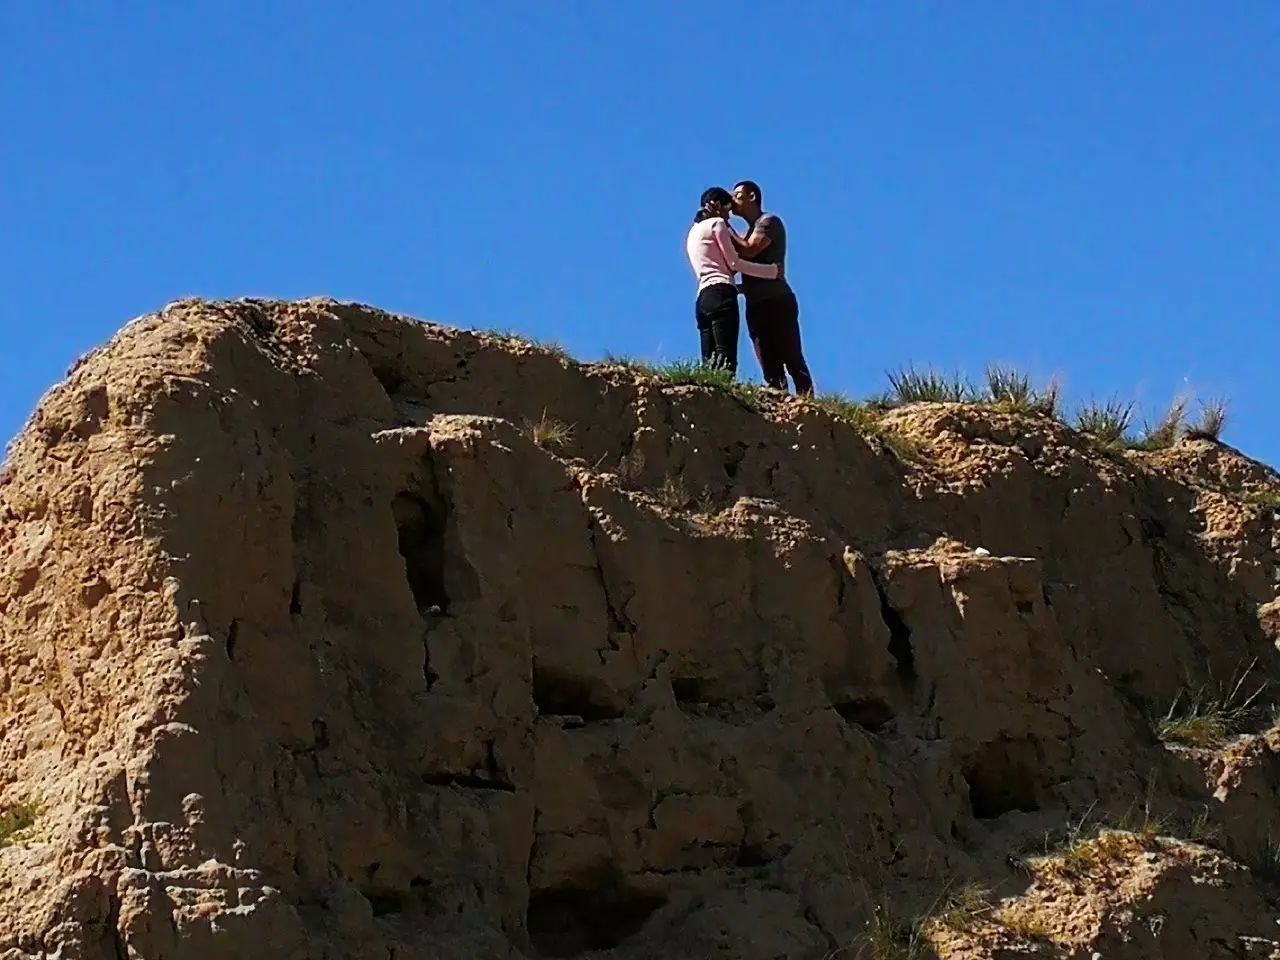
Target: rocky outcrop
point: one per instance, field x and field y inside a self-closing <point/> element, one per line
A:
<point x="310" y="650"/>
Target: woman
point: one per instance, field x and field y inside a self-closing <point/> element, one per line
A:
<point x="715" y="260"/>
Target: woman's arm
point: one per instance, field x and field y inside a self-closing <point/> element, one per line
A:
<point x="723" y="235"/>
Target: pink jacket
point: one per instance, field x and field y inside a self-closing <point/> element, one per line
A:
<point x="715" y="259"/>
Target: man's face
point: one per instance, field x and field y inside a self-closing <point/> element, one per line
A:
<point x="744" y="201"/>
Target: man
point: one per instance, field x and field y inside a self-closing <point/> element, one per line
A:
<point x="773" y="316"/>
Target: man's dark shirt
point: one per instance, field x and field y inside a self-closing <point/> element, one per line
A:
<point x="770" y="224"/>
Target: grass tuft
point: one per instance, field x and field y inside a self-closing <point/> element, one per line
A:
<point x="550" y="433"/>
<point x="1211" y="422"/>
<point x="691" y="373"/>
<point x="1089" y="853"/>
<point x="1009" y="385"/>
<point x="1012" y="389"/>
<point x="1090" y="843"/>
<point x="892" y="937"/>
<point x="1078" y="848"/>
<point x="861" y="416"/>
<point x="16" y="822"/>
<point x="673" y="493"/>
<point x="1049" y="401"/>
<point x="909" y="385"/>
<point x="1201" y="829"/>
<point x="634" y="364"/>
<point x="962" y="906"/>
<point x="1108" y="423"/>
<point x="1210" y="715"/>
<point x="1163" y="433"/>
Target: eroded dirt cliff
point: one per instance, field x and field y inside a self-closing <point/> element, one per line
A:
<point x="310" y="651"/>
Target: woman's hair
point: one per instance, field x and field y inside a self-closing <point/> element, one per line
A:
<point x="709" y="196"/>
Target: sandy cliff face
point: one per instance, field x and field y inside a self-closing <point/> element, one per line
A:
<point x="309" y="650"/>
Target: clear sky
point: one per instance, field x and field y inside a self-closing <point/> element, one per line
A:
<point x="1088" y="189"/>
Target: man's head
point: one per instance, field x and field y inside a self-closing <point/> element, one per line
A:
<point x="747" y="199"/>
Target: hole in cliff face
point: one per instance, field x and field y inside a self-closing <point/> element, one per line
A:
<point x="738" y="702"/>
<point x="1152" y="529"/>
<point x="900" y="645"/>
<point x="753" y="855"/>
<point x="389" y="902"/>
<point x="690" y="691"/>
<point x="870" y="714"/>
<point x="420" y="528"/>
<point x="391" y="378"/>
<point x="1001" y="779"/>
<point x="567" y="923"/>
<point x="233" y="634"/>
<point x="899" y="637"/>
<point x="733" y="456"/>
<point x="562" y="695"/>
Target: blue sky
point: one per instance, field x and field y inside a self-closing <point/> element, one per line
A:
<point x="1085" y="189"/>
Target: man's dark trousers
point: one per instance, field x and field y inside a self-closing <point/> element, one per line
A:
<point x="774" y="327"/>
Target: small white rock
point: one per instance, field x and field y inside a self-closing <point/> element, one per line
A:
<point x="981" y="552"/>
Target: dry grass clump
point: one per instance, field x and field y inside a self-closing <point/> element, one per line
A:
<point x="1013" y="390"/>
<point x="890" y="936"/>
<point x="861" y="416"/>
<point x="1082" y="846"/>
<point x="1212" y="714"/>
<point x="1110" y="424"/>
<point x="634" y="364"/>
<point x="909" y="385"/>
<point x="1163" y="433"/>
<point x="1107" y="422"/>
<point x="1004" y="386"/>
<point x="962" y="905"/>
<point x="550" y="433"/>
<point x="691" y="373"/>
<point x="1092" y="843"/>
<point x="552" y="347"/>
<point x="1090" y="852"/>
<point x="711" y="376"/>
<point x="1211" y="422"/>
<point x="673" y="493"/>
<point x="893" y="935"/>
